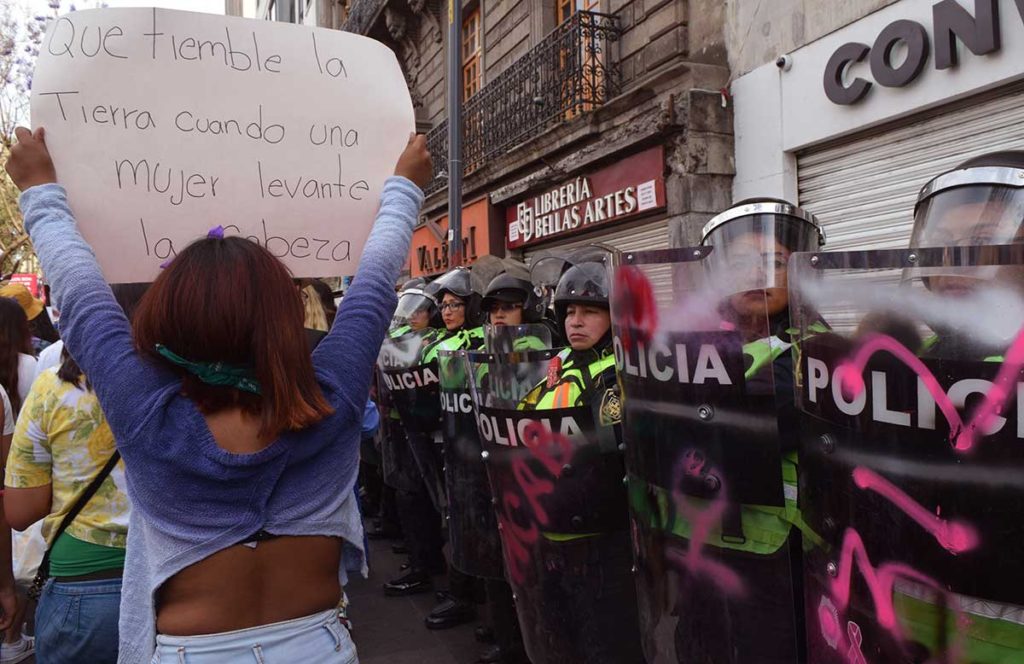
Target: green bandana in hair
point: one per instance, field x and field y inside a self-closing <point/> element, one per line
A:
<point x="214" y="373"/>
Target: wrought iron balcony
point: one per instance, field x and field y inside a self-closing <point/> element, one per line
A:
<point x="571" y="72"/>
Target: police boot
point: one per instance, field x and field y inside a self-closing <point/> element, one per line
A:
<point x="411" y="583"/>
<point x="450" y="613"/>
<point x="495" y="654"/>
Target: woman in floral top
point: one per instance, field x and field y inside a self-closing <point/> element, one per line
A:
<point x="61" y="443"/>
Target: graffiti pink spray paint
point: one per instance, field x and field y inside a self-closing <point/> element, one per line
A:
<point x="956" y="537"/>
<point x="553" y="451"/>
<point x="963" y="436"/>
<point x="702" y="521"/>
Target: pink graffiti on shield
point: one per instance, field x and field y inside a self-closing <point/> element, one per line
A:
<point x="849" y="376"/>
<point x="702" y="521"/>
<point x="954" y="536"/>
<point x="553" y="451"/>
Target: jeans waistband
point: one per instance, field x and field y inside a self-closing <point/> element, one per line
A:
<point x="264" y="633"/>
<point x="94" y="587"/>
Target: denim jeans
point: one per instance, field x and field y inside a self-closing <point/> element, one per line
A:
<point x="318" y="638"/>
<point x="77" y="622"/>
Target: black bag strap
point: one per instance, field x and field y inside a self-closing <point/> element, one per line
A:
<point x="79" y="505"/>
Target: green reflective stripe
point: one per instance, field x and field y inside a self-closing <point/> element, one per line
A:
<point x="573" y="376"/>
<point x="567" y="537"/>
<point x="764" y="352"/>
<point x="979" y="639"/>
<point x="399" y="331"/>
<point x="765" y="528"/>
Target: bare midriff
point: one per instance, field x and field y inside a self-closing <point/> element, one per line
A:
<point x="240" y="587"/>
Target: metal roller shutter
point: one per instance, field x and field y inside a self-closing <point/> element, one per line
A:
<point x="626" y="237"/>
<point x="863" y="189"/>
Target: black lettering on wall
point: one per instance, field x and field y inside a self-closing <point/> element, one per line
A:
<point x="916" y="39"/>
<point x="979" y="33"/>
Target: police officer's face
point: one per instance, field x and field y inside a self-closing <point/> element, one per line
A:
<point x="419" y="319"/>
<point x="965" y="225"/>
<point x="453" y="312"/>
<point x="506" y="313"/>
<point x="585" y="324"/>
<point x="758" y="260"/>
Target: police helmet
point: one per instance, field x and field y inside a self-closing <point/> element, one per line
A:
<point x="742" y="259"/>
<point x="413" y="297"/>
<point x="979" y="202"/>
<point x="460" y="283"/>
<point x="509" y="288"/>
<point x="583" y="283"/>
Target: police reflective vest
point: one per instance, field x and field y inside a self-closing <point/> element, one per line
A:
<point x="574" y="382"/>
<point x="765" y="528"/>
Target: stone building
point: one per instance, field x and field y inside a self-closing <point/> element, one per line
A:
<point x="585" y="120"/>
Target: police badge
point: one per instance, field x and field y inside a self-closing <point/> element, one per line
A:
<point x="611" y="408"/>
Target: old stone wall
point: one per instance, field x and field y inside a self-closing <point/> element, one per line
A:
<point x="759" y="31"/>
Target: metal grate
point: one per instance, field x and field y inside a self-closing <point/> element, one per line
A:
<point x="571" y="72"/>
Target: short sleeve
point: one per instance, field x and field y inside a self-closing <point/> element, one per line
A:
<point x="30" y="461"/>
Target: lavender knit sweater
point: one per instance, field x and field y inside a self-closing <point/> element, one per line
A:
<point x="190" y="498"/>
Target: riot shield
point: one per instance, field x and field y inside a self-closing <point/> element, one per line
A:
<point x="912" y="463"/>
<point x="472" y="529"/>
<point x="557" y="481"/>
<point x="398" y="468"/>
<point x="415" y="390"/>
<point x="701" y="361"/>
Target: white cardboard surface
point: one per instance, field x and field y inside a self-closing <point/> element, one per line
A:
<point x="170" y="123"/>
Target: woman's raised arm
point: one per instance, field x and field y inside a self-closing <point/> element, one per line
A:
<point x="348" y="353"/>
<point x="93" y="326"/>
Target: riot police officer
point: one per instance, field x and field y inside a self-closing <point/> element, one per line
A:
<point x="951" y="603"/>
<point x="458" y="295"/>
<point x="566" y="544"/>
<point x="707" y="381"/>
<point x="416" y="325"/>
<point x="511" y="299"/>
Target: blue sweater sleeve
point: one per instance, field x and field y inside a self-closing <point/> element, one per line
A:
<point x="347" y="354"/>
<point x="93" y="326"/>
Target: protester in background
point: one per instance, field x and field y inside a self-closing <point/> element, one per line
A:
<point x="61" y="444"/>
<point x="41" y="327"/>
<point x="16" y="647"/>
<point x="326" y="300"/>
<point x="213" y="399"/>
<point x="17" y="363"/>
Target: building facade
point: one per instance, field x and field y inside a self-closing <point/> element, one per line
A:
<point x="850" y="108"/>
<point x="584" y="120"/>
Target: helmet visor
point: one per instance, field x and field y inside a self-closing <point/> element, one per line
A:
<point x="751" y="253"/>
<point x="414" y="308"/>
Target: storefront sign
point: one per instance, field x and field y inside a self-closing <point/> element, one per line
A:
<point x="632" y="186"/>
<point x="952" y="25"/>
<point x="29" y="280"/>
<point x="430" y="244"/>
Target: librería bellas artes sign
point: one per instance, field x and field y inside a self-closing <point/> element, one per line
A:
<point x="628" y="188"/>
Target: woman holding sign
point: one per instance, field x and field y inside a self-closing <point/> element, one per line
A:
<point x="228" y="429"/>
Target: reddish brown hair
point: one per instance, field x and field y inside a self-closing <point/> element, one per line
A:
<point x="229" y="300"/>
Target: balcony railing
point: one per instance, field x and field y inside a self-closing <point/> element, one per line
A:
<point x="571" y="72"/>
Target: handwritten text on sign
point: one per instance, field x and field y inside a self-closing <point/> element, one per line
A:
<point x="163" y="124"/>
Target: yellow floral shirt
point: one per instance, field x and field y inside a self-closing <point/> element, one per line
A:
<point x="63" y="439"/>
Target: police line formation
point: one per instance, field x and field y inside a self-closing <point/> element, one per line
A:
<point x="750" y="450"/>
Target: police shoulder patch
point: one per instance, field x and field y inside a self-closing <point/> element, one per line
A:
<point x="611" y="408"/>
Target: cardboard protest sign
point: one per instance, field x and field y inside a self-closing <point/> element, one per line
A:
<point x="164" y="124"/>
